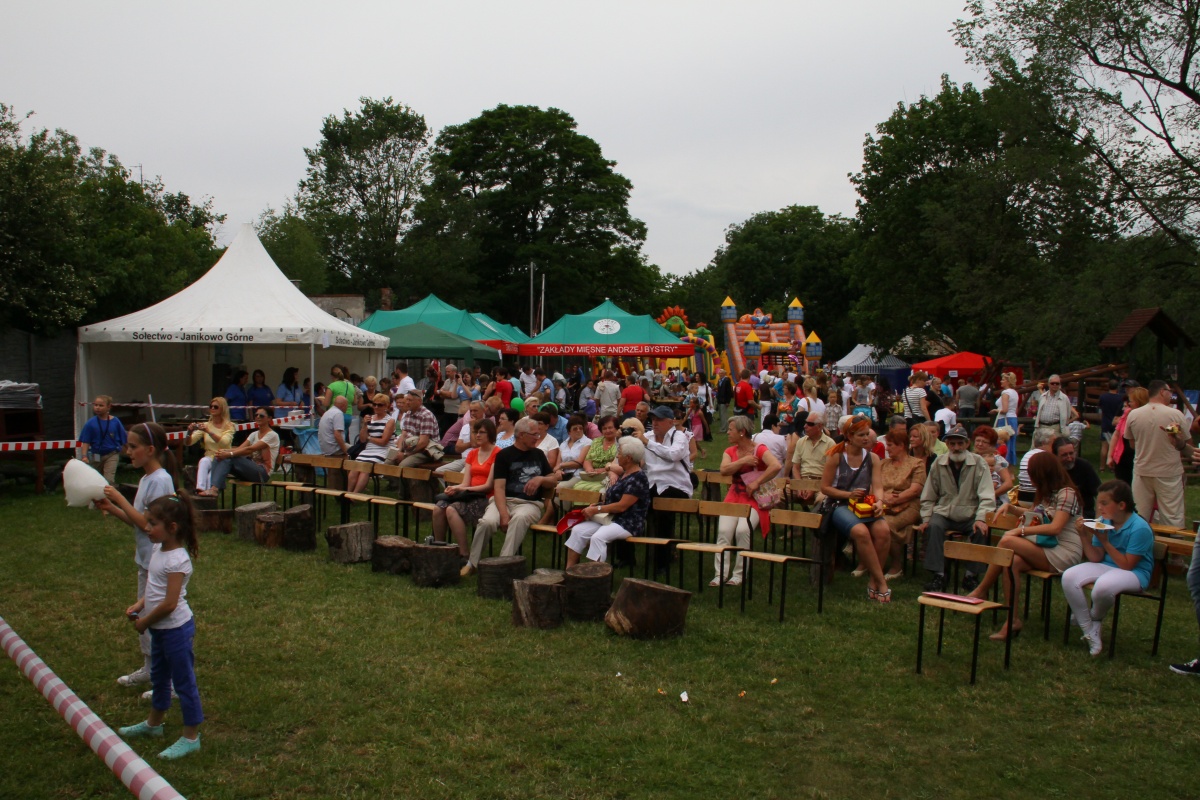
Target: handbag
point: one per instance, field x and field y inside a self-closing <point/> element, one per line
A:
<point x="356" y="449"/>
<point x="1042" y="519"/>
<point x="768" y="495"/>
<point x="828" y="506"/>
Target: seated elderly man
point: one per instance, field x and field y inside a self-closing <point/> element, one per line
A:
<point x="808" y="456"/>
<point x="519" y="474"/>
<point x="958" y="496"/>
<point x="418" y="429"/>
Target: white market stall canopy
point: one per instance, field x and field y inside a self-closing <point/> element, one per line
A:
<point x="243" y="299"/>
<point x="242" y="312"/>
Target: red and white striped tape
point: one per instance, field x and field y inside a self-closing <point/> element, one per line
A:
<point x="138" y="776"/>
<point x="70" y="444"/>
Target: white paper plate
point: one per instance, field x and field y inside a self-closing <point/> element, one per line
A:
<point x="1097" y="525"/>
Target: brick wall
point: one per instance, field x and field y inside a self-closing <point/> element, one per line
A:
<point x="50" y="363"/>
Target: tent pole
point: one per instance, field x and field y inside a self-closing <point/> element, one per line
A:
<point x="312" y="370"/>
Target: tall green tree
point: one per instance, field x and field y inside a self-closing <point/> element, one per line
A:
<point x="979" y="215"/>
<point x="794" y="252"/>
<point x="80" y="240"/>
<point x="364" y="178"/>
<point x="516" y="188"/>
<point x="1126" y="71"/>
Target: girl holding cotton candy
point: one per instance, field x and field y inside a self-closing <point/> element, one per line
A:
<point x="147" y="449"/>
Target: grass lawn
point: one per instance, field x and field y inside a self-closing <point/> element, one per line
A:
<point x="323" y="681"/>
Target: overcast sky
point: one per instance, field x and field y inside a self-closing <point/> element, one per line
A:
<point x="715" y="111"/>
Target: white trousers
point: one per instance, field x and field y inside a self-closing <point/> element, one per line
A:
<point x="599" y="536"/>
<point x="730" y="529"/>
<point x="1107" y="582"/>
<point x="203" y="473"/>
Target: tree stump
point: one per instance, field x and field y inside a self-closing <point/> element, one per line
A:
<point x="305" y="473"/>
<point x="300" y="528"/>
<point x="547" y="571"/>
<point x="247" y="516"/>
<point x="648" y="610"/>
<point x="215" y="519"/>
<point x="392" y="554"/>
<point x="435" y="565"/>
<point x="351" y="543"/>
<point x="538" y="601"/>
<point x="268" y="530"/>
<point x="589" y="590"/>
<point x="496" y="576"/>
<point x="188" y="475"/>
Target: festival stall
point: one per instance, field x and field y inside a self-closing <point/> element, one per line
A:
<point x="425" y="341"/>
<point x="955" y="365"/>
<point x="607" y="330"/>
<point x="242" y="312"/>
<point x="865" y="360"/>
<point x="435" y="312"/>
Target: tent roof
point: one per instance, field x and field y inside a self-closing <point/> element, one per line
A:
<point x="865" y="360"/>
<point x="607" y="330"/>
<point x="964" y="362"/>
<point x="515" y="334"/>
<point x="433" y="311"/>
<point x="425" y="341"/>
<point x="244" y="299"/>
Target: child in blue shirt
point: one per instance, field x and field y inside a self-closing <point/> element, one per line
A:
<point x="103" y="438"/>
<point x="1120" y="559"/>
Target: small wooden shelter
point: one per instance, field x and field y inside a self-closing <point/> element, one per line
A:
<point x="1166" y="333"/>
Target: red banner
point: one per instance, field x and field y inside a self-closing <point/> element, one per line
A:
<point x="508" y="348"/>
<point x="681" y="350"/>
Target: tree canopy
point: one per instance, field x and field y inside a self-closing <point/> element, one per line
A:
<point x="364" y="178"/>
<point x="1124" y="70"/>
<point x="81" y="241"/>
<point x="519" y="186"/>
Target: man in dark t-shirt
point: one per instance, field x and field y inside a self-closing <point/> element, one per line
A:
<point x="1082" y="473"/>
<point x="1112" y="405"/>
<point x="519" y="475"/>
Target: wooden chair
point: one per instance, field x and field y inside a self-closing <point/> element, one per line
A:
<point x="963" y="551"/>
<point x="678" y="505"/>
<point x="794" y="486"/>
<point x="1161" y="552"/>
<point x="788" y="519"/>
<point x="332" y="466"/>
<point x="1008" y="522"/>
<point x="380" y="502"/>
<point x="715" y="486"/>
<point x="714" y="511"/>
<point x="548" y="524"/>
<point x="418" y="475"/>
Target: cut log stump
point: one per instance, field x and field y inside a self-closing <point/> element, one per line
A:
<point x="299" y="528"/>
<point x="209" y="517"/>
<point x="648" y="610"/>
<point x="539" y="601"/>
<point x="392" y="554"/>
<point x="496" y="576"/>
<point x="268" y="529"/>
<point x="589" y="590"/>
<point x="203" y="502"/>
<point x="435" y="565"/>
<point x="246" y="517"/>
<point x="351" y="543"/>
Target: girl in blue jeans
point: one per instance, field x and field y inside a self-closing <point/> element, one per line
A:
<point x="164" y="611"/>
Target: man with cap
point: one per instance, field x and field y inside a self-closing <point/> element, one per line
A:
<point x="957" y="498"/>
<point x="666" y="467"/>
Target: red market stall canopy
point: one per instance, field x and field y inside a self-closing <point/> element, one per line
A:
<point x="607" y="330"/>
<point x="438" y="314"/>
<point x="961" y="364"/>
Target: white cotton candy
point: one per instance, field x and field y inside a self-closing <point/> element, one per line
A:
<point x="82" y="483"/>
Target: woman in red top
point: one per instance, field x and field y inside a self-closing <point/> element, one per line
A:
<point x="464" y="504"/>
<point x="751" y="466"/>
<point x="632" y="395"/>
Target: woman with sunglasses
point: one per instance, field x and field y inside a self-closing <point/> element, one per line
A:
<point x="216" y="434"/>
<point x="378" y="427"/>
<point x="254" y="460"/>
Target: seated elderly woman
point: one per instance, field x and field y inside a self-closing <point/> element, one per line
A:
<point x="462" y="505"/>
<point x="378" y="428"/>
<point x="750" y="465"/>
<point x="903" y="480"/>
<point x="216" y="434"/>
<point x="986" y="439"/>
<point x="853" y="473"/>
<point x="624" y="507"/>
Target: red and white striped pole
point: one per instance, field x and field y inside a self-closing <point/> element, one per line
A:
<point x="138" y="776"/>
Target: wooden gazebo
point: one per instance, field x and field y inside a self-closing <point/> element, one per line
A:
<point x="1166" y="333"/>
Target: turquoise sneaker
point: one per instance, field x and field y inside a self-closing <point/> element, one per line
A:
<point x="141" y="729"/>
<point x="181" y="748"/>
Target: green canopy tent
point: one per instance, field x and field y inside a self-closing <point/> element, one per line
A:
<point x="607" y="330"/>
<point x="425" y="341"/>
<point x="433" y="311"/>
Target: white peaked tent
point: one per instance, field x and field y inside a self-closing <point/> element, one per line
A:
<point x="168" y="350"/>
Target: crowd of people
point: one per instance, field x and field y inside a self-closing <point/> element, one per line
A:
<point x="891" y="469"/>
